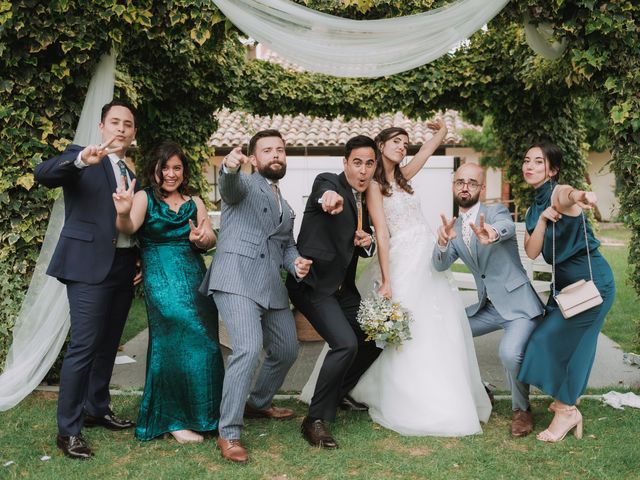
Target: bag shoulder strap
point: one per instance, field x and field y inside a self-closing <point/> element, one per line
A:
<point x="553" y="252"/>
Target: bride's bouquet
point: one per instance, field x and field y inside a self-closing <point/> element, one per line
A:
<point x="384" y="321"/>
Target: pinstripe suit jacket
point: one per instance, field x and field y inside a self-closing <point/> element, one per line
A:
<point x="253" y="244"/>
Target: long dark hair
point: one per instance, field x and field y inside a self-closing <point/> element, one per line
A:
<point x="158" y="158"/>
<point x="379" y="175"/>
<point x="551" y="153"/>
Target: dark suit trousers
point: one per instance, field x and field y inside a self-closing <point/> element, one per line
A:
<point x="98" y="314"/>
<point x="334" y="318"/>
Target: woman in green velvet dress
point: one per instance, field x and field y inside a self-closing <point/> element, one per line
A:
<point x="185" y="370"/>
<point x="561" y="351"/>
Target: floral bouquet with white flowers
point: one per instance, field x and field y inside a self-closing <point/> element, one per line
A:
<point x="384" y="321"/>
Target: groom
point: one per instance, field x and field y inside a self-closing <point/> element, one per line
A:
<point x="255" y="242"/>
<point x="484" y="238"/>
<point x="335" y="231"/>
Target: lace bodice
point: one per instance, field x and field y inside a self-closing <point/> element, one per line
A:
<point x="403" y="213"/>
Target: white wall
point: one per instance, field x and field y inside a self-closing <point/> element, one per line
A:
<point x="432" y="184"/>
<point x="603" y="183"/>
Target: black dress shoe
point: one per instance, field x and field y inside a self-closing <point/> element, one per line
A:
<point x="108" y="420"/>
<point x="317" y="434"/>
<point x="490" y="395"/>
<point x="74" y="446"/>
<point x="349" y="403"/>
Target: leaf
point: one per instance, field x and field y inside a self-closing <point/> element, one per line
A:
<point x="26" y="181"/>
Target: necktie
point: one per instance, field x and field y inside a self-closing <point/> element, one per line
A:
<point x="359" y="207"/>
<point x="123" y="172"/>
<point x="276" y="192"/>
<point x="466" y="230"/>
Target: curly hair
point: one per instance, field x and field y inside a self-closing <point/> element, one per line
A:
<point x="157" y="160"/>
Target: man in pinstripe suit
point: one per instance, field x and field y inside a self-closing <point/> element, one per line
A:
<point x="255" y="243"/>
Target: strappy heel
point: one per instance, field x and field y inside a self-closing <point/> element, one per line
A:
<point x="552" y="405"/>
<point x="548" y="436"/>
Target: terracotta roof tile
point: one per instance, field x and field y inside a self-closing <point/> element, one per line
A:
<point x="236" y="128"/>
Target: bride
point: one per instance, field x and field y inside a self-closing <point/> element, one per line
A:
<point x="431" y="384"/>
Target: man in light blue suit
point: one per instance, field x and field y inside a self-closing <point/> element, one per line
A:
<point x="254" y="244"/>
<point x="484" y="238"/>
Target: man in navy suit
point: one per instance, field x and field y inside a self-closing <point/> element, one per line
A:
<point x="98" y="266"/>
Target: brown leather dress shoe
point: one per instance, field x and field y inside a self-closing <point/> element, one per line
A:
<point x="521" y="423"/>
<point x="275" y="413"/>
<point x="233" y="450"/>
<point x="108" y="420"/>
<point x="317" y="433"/>
<point x="74" y="446"/>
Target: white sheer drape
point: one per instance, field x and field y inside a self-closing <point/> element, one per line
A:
<point x="43" y="321"/>
<point x="358" y="48"/>
<point x="542" y="41"/>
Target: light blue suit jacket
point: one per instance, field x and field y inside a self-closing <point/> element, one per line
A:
<point x="496" y="267"/>
<point x="253" y="244"/>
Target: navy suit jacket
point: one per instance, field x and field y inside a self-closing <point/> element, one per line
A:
<point x="87" y="243"/>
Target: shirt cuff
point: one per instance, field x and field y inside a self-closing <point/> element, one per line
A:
<point x="443" y="249"/>
<point x="79" y="163"/>
<point x="497" y="234"/>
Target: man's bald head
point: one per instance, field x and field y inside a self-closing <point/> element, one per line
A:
<point x="469" y="171"/>
<point x="468" y="182"/>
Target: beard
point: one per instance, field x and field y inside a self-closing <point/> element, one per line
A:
<point x="467" y="202"/>
<point x="271" y="174"/>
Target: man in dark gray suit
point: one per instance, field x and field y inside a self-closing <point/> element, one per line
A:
<point x="254" y="244"/>
<point x="484" y="238"/>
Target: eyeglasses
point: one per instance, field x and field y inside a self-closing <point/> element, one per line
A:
<point x="471" y="184"/>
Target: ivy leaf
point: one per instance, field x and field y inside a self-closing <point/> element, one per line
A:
<point x="26" y="181"/>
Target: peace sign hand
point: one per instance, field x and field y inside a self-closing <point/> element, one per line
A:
<point x="486" y="233"/>
<point x="446" y="231"/>
<point x="198" y="235"/>
<point x="123" y="198"/>
<point x="93" y="154"/>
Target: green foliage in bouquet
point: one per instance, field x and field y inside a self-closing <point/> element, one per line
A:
<point x="384" y="321"/>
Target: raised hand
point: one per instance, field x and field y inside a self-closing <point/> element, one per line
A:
<point x="235" y="158"/>
<point x="486" y="233"/>
<point x="197" y="235"/>
<point x="446" y="231"/>
<point x="302" y="266"/>
<point x="332" y="202"/>
<point x="437" y="125"/>
<point x="123" y="198"/>
<point x="585" y="200"/>
<point x="93" y="154"/>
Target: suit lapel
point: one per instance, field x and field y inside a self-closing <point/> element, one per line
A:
<point x="474" y="242"/>
<point x="266" y="190"/>
<point x="347" y="194"/>
<point x="108" y="171"/>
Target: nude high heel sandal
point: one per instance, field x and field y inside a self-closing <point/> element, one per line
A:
<point x="548" y="436"/>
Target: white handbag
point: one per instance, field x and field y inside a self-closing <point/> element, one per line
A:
<point x="581" y="295"/>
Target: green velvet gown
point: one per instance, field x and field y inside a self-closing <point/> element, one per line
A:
<point x="183" y="386"/>
<point x="561" y="351"/>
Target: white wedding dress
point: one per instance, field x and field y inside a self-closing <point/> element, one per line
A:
<point x="431" y="384"/>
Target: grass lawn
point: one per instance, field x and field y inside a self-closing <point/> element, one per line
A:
<point x="368" y="451"/>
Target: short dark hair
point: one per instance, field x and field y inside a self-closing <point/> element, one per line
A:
<point x="158" y="158"/>
<point x="263" y="134"/>
<point x="116" y="103"/>
<point x="551" y="153"/>
<point x="359" y="141"/>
